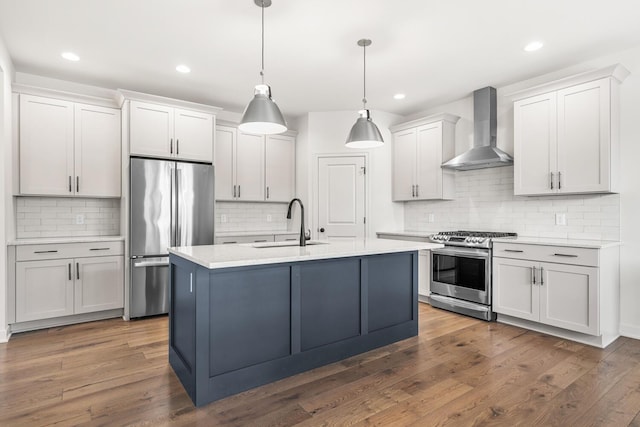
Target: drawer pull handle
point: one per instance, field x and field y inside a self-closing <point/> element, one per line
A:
<point x="78" y="270"/>
<point x="99" y="249"/>
<point x="259" y="241"/>
<point x="69" y="271"/>
<point x="513" y="250"/>
<point x="541" y="276"/>
<point x="290" y="240"/>
<point x="567" y="255"/>
<point x="228" y="243"/>
<point x="45" y="252"/>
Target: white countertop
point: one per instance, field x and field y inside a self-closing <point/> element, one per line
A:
<point x="254" y="233"/>
<point x="224" y="256"/>
<point x="573" y="243"/>
<point x="418" y="234"/>
<point x="55" y="240"/>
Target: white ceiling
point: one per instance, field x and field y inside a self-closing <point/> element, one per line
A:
<point x="434" y="51"/>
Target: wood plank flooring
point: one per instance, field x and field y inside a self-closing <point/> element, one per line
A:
<point x="459" y="371"/>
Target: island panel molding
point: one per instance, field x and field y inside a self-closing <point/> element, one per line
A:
<point x="221" y="344"/>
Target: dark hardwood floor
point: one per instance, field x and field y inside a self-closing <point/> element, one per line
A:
<point x="458" y="372"/>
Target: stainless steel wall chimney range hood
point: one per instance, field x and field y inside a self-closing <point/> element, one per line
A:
<point x="484" y="153"/>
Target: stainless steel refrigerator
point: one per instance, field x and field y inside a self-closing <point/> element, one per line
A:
<point x="171" y="205"/>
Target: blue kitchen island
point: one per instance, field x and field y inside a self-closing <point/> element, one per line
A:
<point x="245" y="315"/>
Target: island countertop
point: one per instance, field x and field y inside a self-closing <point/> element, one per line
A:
<point x="241" y="255"/>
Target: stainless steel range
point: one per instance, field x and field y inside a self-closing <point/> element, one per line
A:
<point x="461" y="272"/>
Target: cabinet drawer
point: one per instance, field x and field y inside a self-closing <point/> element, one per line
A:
<point x="68" y="250"/>
<point x="259" y="238"/>
<point x="543" y="253"/>
<point x="286" y="237"/>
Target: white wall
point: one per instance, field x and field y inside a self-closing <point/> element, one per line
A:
<point x="325" y="133"/>
<point x="623" y="213"/>
<point x="6" y="205"/>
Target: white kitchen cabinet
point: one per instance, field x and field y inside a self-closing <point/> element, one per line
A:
<point x="44" y="289"/>
<point x="98" y="284"/>
<point x="225" y="157"/>
<point x="420" y="148"/>
<point x="157" y="130"/>
<point x="254" y="167"/>
<point x="566" y="139"/>
<point x="56" y="280"/>
<point x="97" y="152"/>
<point x="68" y="149"/>
<point x="250" y="167"/>
<point x="280" y="168"/>
<point x="570" y="289"/>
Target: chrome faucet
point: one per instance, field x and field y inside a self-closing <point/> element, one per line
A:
<point x="303" y="238"/>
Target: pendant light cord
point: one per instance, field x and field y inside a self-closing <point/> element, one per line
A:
<point x="262" y="69"/>
<point x="364" y="78"/>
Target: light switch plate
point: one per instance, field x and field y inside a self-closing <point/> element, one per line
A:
<point x="223" y="218"/>
<point x="268" y="218"/>
<point x="79" y="219"/>
<point x="561" y="219"/>
<point x="431" y="217"/>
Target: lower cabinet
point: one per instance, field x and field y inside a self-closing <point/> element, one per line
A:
<point x="569" y="289"/>
<point x="44" y="289"/>
<point x="559" y="295"/>
<point x="66" y="279"/>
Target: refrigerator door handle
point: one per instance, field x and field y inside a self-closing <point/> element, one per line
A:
<point x="177" y="219"/>
<point x="174" y="206"/>
<point x="151" y="264"/>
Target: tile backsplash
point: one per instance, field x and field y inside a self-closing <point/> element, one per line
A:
<point x="59" y="217"/>
<point x="242" y="217"/>
<point x="484" y="201"/>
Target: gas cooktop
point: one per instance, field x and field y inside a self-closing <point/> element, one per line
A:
<point x="470" y="238"/>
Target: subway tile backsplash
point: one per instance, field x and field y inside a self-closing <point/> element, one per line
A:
<point x="58" y="217"/>
<point x="485" y="201"/>
<point x="243" y="217"/>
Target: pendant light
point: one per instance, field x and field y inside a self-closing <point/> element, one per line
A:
<point x="364" y="133"/>
<point x="262" y="115"/>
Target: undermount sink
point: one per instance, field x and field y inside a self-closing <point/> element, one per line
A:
<point x="288" y="243"/>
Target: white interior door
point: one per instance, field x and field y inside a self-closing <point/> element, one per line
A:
<point x="341" y="198"/>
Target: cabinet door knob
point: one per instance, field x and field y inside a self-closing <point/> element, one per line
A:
<point x="322" y="229"/>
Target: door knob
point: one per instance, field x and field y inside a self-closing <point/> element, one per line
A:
<point x="322" y="229"/>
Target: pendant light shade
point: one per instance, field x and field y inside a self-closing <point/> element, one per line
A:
<point x="262" y="115"/>
<point x="364" y="133"/>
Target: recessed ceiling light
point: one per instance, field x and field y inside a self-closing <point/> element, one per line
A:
<point x="399" y="96"/>
<point x="183" y="69"/>
<point x="70" y="56"/>
<point x="533" y="46"/>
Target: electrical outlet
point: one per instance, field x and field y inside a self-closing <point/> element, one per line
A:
<point x="561" y="219"/>
<point x="431" y="217"/>
<point x="268" y="218"/>
<point x="79" y="219"/>
<point x="223" y="218"/>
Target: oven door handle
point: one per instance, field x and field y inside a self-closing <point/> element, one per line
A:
<point x="470" y="253"/>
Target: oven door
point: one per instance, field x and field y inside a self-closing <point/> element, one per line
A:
<point x="463" y="273"/>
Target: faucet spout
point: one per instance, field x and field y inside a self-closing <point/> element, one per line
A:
<point x="303" y="240"/>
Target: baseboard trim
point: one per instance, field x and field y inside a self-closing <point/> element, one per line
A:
<point x="5" y="334"/>
<point x="65" y="320"/>
<point x="600" y="341"/>
<point x="630" y="331"/>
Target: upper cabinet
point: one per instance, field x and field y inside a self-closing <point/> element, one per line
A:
<point x="162" y="131"/>
<point x="566" y="139"/>
<point x="419" y="149"/>
<point x="254" y="167"/>
<point x="68" y="148"/>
